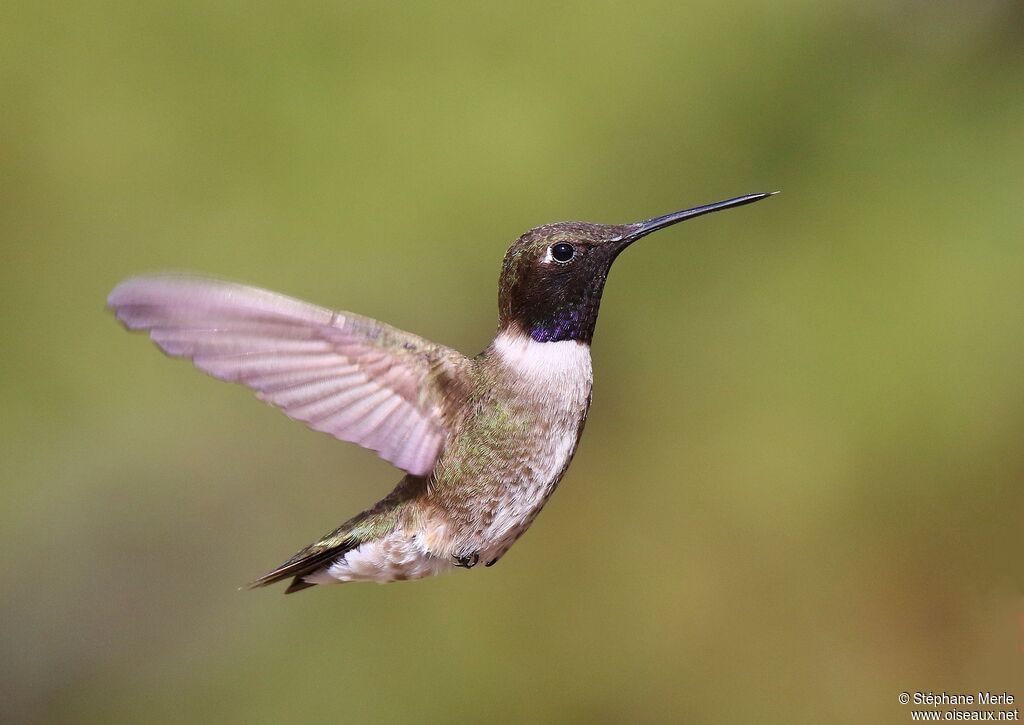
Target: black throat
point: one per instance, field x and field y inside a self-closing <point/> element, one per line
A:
<point x="572" y="320"/>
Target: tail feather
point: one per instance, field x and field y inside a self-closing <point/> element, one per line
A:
<point x="370" y="524"/>
<point x="311" y="559"/>
<point x="297" y="585"/>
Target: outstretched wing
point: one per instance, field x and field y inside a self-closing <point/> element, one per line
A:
<point x="351" y="376"/>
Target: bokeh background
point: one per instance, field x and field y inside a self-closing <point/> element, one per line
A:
<point x="801" y="489"/>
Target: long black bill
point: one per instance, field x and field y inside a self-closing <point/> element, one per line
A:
<point x="667" y="220"/>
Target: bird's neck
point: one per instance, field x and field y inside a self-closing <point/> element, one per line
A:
<point x="545" y="364"/>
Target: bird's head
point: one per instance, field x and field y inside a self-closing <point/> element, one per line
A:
<point x="553" y="276"/>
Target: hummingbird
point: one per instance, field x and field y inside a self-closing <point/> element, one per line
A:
<point x="483" y="441"/>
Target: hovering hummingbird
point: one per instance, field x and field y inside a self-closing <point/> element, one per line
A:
<point x="484" y="441"/>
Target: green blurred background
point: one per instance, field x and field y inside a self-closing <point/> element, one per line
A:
<point x="800" y="492"/>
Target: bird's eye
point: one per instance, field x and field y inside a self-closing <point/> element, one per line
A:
<point x="562" y="252"/>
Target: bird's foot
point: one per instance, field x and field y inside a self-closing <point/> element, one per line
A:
<point x="467" y="562"/>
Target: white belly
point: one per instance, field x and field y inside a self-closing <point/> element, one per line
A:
<point x="395" y="557"/>
<point x="558" y="377"/>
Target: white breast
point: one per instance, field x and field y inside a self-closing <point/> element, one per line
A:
<point x="563" y="368"/>
<point x="559" y="376"/>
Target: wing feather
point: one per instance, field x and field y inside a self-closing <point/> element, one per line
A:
<point x="350" y="376"/>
